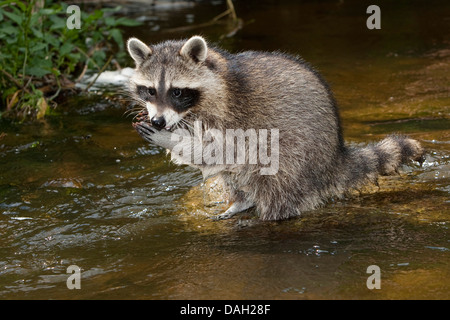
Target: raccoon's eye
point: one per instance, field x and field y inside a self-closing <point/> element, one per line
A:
<point x="145" y="92"/>
<point x="141" y="90"/>
<point x="176" y="92"/>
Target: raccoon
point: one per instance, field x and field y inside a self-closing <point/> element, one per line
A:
<point x="179" y="82"/>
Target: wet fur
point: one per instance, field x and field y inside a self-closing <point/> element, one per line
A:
<point x="262" y="90"/>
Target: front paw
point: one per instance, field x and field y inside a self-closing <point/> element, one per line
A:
<point x="160" y="138"/>
<point x="145" y="130"/>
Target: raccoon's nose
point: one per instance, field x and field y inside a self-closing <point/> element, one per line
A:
<point x="159" y="123"/>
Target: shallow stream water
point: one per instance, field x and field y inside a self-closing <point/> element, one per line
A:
<point x="82" y="188"/>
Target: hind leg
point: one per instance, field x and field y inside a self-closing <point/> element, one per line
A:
<point x="240" y="204"/>
<point x="236" y="207"/>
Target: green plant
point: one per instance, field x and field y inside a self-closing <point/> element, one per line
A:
<point x="40" y="55"/>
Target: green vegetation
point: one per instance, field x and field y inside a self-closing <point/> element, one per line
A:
<point x="40" y="55"/>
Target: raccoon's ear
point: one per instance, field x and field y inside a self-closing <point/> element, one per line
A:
<point x="138" y="50"/>
<point x="195" y="48"/>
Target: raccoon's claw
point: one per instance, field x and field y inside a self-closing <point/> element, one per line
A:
<point x="162" y="138"/>
<point x="223" y="216"/>
<point x="235" y="208"/>
<point x="145" y="130"/>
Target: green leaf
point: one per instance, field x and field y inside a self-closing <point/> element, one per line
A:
<point x="35" y="20"/>
<point x="56" y="72"/>
<point x="22" y="6"/>
<point x="116" y="34"/>
<point x="98" y="59"/>
<point x="52" y="40"/>
<point x="9" y="29"/>
<point x="38" y="47"/>
<point x="42" y="107"/>
<point x="99" y="55"/>
<point x="66" y="48"/>
<point x="40" y="60"/>
<point x="37" y="33"/>
<point x="58" y="23"/>
<point x="14" y="17"/>
<point x="76" y="57"/>
<point x="11" y="41"/>
<point x="9" y="91"/>
<point x="37" y="71"/>
<point x="110" y="21"/>
<point x="92" y="17"/>
<point x="47" y="11"/>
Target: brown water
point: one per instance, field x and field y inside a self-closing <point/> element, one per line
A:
<point x="82" y="188"/>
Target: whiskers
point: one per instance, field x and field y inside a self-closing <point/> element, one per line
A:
<point x="134" y="112"/>
<point x="187" y="122"/>
<point x="185" y="125"/>
<point x="137" y="105"/>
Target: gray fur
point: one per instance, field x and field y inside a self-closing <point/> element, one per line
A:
<point x="263" y="90"/>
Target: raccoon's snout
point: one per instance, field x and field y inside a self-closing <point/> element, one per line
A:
<point x="158" y="122"/>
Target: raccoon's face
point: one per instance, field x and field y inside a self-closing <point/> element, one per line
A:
<point x="169" y="78"/>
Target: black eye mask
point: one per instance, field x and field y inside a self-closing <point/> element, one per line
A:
<point x="183" y="99"/>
